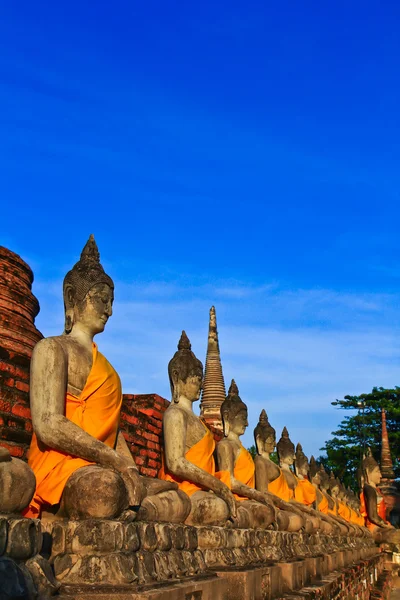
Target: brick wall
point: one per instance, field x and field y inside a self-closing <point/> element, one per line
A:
<point x="141" y="424"/>
<point x="18" y="336"/>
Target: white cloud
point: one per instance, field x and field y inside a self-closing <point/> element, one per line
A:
<point x="291" y="352"/>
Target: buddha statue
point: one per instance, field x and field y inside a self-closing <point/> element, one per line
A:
<point x="82" y="464"/>
<point x="305" y="492"/>
<point x="189" y="445"/>
<point x="286" y="457"/>
<point x="236" y="465"/>
<point x="270" y="479"/>
<point x="373" y="507"/>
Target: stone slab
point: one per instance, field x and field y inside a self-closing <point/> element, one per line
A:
<point x="210" y="588"/>
<point x="259" y="583"/>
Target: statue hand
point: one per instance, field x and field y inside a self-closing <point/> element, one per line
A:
<point x="133" y="482"/>
<point x="225" y="494"/>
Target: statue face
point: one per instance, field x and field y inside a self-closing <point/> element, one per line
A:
<point x="96" y="308"/>
<point x="239" y="423"/>
<point x="288" y="459"/>
<point x="316" y="478"/>
<point x="266" y="445"/>
<point x="375" y="476"/>
<point x="191" y="388"/>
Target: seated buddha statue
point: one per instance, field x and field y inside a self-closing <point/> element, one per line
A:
<point x="373" y="506"/>
<point x="270" y="479"/>
<point x="305" y="492"/>
<point x="286" y="457"/>
<point x="236" y="465"/>
<point x="82" y="464"/>
<point x="341" y="510"/>
<point x="327" y="503"/>
<point x="188" y="453"/>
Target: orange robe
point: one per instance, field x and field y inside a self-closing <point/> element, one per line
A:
<point x="323" y="505"/>
<point x="201" y="455"/>
<point x="244" y="471"/>
<point x="305" y="492"/>
<point x="280" y="487"/>
<point x="381" y="510"/>
<point x="344" y="511"/>
<point x="96" y="410"/>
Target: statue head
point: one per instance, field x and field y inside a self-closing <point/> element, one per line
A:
<point x="334" y="485"/>
<point x="324" y="478"/>
<point x="185" y="372"/>
<point x="314" y="471"/>
<point x="285" y="449"/>
<point x="88" y="292"/>
<point x="370" y="469"/>
<point x="234" y="412"/>
<point x="264" y="435"/>
<point x="301" y="465"/>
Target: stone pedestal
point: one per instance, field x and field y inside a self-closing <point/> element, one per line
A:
<point x="24" y="573"/>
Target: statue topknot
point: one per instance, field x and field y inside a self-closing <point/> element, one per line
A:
<point x="264" y="429"/>
<point x="232" y="405"/>
<point x="185" y="363"/>
<point x="85" y="274"/>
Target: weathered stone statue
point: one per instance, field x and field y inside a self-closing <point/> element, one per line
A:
<point x="189" y="445"/>
<point x="305" y="492"/>
<point x="17" y="484"/>
<point x="82" y="464"/>
<point x="270" y="479"/>
<point x="286" y="457"/>
<point x="373" y="506"/>
<point x="236" y="465"/>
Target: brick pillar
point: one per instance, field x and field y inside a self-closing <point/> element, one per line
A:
<point x="18" y="336"/>
<point x="387" y="485"/>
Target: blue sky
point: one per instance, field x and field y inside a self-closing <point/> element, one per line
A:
<point x="238" y="154"/>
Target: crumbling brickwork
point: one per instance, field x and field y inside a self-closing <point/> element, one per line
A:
<point x="18" y="336"/>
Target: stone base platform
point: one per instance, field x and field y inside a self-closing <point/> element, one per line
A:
<point x="160" y="561"/>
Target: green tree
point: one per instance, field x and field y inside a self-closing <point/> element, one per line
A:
<point x="361" y="430"/>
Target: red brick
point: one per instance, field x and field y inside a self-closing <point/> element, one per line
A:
<point x="152" y="429"/>
<point x="9" y="382"/>
<point x="153" y="446"/>
<point x="151" y="437"/>
<point x="149" y="472"/>
<point x="151" y="412"/>
<point x="152" y="454"/>
<point x="20" y="385"/>
<point x="16" y="451"/>
<point x="129" y="419"/>
<point x="21" y="411"/>
<point x="153" y="463"/>
<point x="139" y="460"/>
<point x="5" y="406"/>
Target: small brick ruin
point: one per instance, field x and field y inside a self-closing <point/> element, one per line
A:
<point x="162" y="561"/>
<point x="18" y="336"/>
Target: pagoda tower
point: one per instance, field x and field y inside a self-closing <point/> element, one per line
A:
<point x="387" y="485"/>
<point x="213" y="393"/>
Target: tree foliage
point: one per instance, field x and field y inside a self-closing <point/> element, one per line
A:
<point x="361" y="430"/>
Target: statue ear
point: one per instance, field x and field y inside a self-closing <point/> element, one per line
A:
<point x="175" y="381"/>
<point x="69" y="298"/>
<point x="259" y="444"/>
<point x="225" y="422"/>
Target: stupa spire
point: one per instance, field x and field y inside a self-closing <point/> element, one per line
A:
<point x="386" y="459"/>
<point x="213" y="394"/>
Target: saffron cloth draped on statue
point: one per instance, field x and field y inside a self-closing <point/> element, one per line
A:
<point x="280" y="487"/>
<point x="201" y="455"/>
<point x="305" y="492"/>
<point x="96" y="410"/>
<point x="244" y="471"/>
